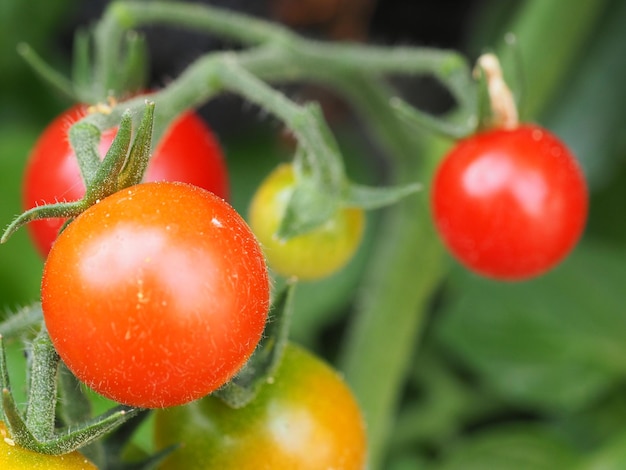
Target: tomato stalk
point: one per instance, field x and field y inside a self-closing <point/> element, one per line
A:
<point x="406" y="266"/>
<point x="281" y="55"/>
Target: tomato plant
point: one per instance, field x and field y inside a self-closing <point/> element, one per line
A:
<point x="13" y="457"/>
<point x="156" y="295"/>
<point x="310" y="256"/>
<point x="188" y="152"/>
<point x="510" y="204"/>
<point x="304" y="418"/>
<point x="156" y="299"/>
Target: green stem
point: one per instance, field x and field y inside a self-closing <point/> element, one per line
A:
<point x="253" y="31"/>
<point x="108" y="49"/>
<point x="283" y="56"/>
<point x="406" y="267"/>
<point x="306" y="122"/>
<point x="224" y="23"/>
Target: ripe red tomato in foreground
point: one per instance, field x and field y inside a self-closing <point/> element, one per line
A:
<point x="510" y="204"/>
<point x="188" y="152"/>
<point x="156" y="295"/>
<point x="305" y="419"/>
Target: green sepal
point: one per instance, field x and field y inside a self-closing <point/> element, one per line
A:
<point x="85" y="139"/>
<point x="105" y="180"/>
<point x="43" y="365"/>
<point x="374" y="197"/>
<point x="133" y="171"/>
<point x="61" y="209"/>
<point x="308" y="207"/>
<point x="260" y="368"/>
<point x="74" y="406"/>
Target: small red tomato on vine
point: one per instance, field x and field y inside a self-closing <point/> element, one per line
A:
<point x="188" y="152"/>
<point x="306" y="418"/>
<point x="310" y="256"/>
<point x="510" y="203"/>
<point x="156" y="295"/>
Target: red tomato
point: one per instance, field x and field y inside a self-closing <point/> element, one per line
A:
<point x="306" y="418"/>
<point x="510" y="204"/>
<point x="188" y="152"/>
<point x="157" y="295"/>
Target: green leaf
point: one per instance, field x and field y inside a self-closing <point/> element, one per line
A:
<point x="611" y="456"/>
<point x="555" y="343"/>
<point x="514" y="447"/>
<point x="591" y="101"/>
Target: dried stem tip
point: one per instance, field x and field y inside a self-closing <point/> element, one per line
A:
<point x="503" y="105"/>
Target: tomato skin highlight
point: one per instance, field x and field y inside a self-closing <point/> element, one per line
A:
<point x="305" y="419"/>
<point x="156" y="295"/>
<point x="13" y="457"/>
<point x="510" y="204"/>
<point x="188" y="152"/>
<point x="311" y="256"/>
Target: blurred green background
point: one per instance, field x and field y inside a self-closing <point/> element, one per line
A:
<point x="509" y="376"/>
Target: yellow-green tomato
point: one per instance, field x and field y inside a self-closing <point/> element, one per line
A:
<point x="13" y="457"/>
<point x="306" y="418"/>
<point x="313" y="255"/>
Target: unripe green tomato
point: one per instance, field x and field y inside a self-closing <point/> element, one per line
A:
<point x="306" y="418"/>
<point x="13" y="457"/>
<point x="310" y="256"/>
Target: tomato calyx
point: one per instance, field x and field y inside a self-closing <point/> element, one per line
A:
<point x="313" y="201"/>
<point x="122" y="166"/>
